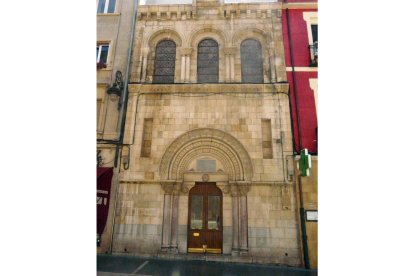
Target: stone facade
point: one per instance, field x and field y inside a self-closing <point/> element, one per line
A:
<point x="221" y="122"/>
<point x="112" y="29"/>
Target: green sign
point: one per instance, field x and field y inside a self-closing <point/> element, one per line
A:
<point x="304" y="163"/>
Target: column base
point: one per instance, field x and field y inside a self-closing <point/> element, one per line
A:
<point x="235" y="252"/>
<point x="173" y="249"/>
<point x="244" y="251"/>
<point x="165" y="249"/>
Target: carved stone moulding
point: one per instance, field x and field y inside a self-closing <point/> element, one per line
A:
<point x="217" y="143"/>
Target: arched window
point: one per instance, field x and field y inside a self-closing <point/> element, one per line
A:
<point x="251" y="61"/>
<point x="208" y="61"/>
<point x="164" y="65"/>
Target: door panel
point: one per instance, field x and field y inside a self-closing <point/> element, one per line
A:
<point x="205" y="226"/>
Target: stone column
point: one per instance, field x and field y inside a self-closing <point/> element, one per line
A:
<point x="235" y="249"/>
<point x="182" y="68"/>
<point x="240" y="224"/>
<point x="227" y="68"/>
<point x="229" y="53"/>
<point x="185" y="64"/>
<point x="243" y="225"/>
<point x="144" y="64"/>
<point x="270" y="50"/>
<point x="232" y="75"/>
<point x="187" y="68"/>
<point x="166" y="223"/>
<point x="174" y="219"/>
<point x="139" y="69"/>
<point x="170" y="216"/>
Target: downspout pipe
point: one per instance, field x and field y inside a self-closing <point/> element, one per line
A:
<point x="122" y="115"/>
<point x="301" y="207"/>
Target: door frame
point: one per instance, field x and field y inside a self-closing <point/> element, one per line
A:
<point x="205" y="231"/>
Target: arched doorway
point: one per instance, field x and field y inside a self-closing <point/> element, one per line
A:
<point x="205" y="219"/>
<point x="209" y="162"/>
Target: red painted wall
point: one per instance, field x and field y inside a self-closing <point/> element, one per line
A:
<point x="300" y="84"/>
<point x="307" y="111"/>
<point x="299" y="33"/>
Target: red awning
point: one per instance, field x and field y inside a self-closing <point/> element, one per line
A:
<point x="103" y="193"/>
<point x="102" y="170"/>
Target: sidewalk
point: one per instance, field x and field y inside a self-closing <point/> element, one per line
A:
<point x="117" y="265"/>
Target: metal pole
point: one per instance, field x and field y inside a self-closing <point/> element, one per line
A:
<point x="122" y="116"/>
<point x="303" y="226"/>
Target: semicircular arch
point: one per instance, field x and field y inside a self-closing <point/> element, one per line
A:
<point x="206" y="33"/>
<point x="219" y="144"/>
<point x="251" y="33"/>
<point x="164" y="34"/>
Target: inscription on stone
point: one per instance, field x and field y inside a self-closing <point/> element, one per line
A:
<point x="205" y="165"/>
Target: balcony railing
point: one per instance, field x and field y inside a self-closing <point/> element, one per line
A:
<point x="314" y="54"/>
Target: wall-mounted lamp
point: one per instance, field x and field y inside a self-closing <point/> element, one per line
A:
<point x="115" y="91"/>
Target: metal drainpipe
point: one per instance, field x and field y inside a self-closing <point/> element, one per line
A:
<point x="301" y="209"/>
<point x="122" y="115"/>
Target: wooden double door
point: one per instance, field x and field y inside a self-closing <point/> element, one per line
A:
<point x="205" y="219"/>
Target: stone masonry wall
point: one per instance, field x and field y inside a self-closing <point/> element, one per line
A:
<point x="238" y="114"/>
<point x="138" y="221"/>
<point x="273" y="228"/>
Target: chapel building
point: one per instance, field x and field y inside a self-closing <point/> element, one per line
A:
<point x="207" y="154"/>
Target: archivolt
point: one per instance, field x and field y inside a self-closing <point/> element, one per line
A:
<point x="206" y="141"/>
<point x="162" y="34"/>
<point x="207" y="32"/>
<point x="254" y="33"/>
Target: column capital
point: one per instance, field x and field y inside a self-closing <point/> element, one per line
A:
<point x="239" y="188"/>
<point x="170" y="187"/>
<point x="167" y="187"/>
<point x="230" y="50"/>
<point x="173" y="187"/>
<point x="244" y="188"/>
<point x="185" y="51"/>
<point x="145" y="51"/>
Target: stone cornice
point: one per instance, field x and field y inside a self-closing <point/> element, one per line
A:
<point x="169" y="182"/>
<point x="303" y="5"/>
<point x="188" y="11"/>
<point x="208" y="88"/>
